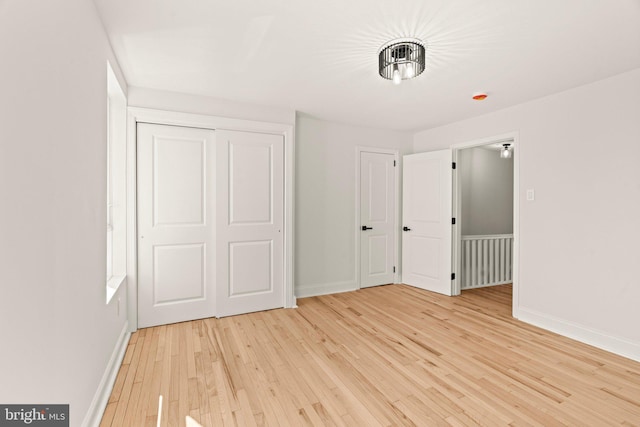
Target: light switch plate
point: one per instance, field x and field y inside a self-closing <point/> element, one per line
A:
<point x="531" y="195"/>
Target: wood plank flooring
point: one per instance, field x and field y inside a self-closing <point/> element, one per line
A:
<point x="383" y="356"/>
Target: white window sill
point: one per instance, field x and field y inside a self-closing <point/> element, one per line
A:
<point x="113" y="284"/>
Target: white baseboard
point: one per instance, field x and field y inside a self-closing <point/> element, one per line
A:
<point x="581" y="333"/>
<point x="101" y="398"/>
<point x="325" y="289"/>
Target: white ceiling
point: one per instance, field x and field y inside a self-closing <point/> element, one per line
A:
<point x="320" y="56"/>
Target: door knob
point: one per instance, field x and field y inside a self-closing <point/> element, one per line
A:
<point x="405" y="228"/>
<point x="364" y="228"/>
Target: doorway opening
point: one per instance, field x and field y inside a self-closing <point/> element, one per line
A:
<point x="485" y="204"/>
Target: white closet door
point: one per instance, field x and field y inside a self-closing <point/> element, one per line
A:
<point x="426" y="210"/>
<point x="176" y="224"/>
<point x="377" y="219"/>
<point x="250" y="221"/>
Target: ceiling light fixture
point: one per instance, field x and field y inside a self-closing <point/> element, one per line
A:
<point x="505" y="151"/>
<point x="401" y="59"/>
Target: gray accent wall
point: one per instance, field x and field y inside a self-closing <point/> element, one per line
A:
<point x="487" y="192"/>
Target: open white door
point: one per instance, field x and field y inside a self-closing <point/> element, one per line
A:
<point x="176" y="228"/>
<point x="426" y="237"/>
<point x="250" y="218"/>
<point x="377" y="218"/>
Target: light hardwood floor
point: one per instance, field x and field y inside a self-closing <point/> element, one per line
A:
<point x="390" y="355"/>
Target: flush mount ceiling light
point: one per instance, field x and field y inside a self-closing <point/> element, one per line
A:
<point x="505" y="151"/>
<point x="401" y="59"/>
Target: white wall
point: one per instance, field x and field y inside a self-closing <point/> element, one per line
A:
<point x="580" y="151"/>
<point x="487" y="192"/>
<point x="57" y="332"/>
<point x="196" y="104"/>
<point x="325" y="201"/>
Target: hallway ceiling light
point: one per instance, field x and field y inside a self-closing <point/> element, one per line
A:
<point x="506" y="151"/>
<point x="401" y="59"/>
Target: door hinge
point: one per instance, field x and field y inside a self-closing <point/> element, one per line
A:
<point x="394" y="268"/>
<point x="453" y="165"/>
<point x="453" y="276"/>
<point x="394" y="163"/>
<point x="453" y="221"/>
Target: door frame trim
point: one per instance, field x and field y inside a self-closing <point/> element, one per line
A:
<point x="457" y="210"/>
<point x="137" y="115"/>
<point x="397" y="277"/>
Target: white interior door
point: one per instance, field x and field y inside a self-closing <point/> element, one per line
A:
<point x="176" y="224"/>
<point x="250" y="218"/>
<point x="426" y="236"/>
<point x="377" y="219"/>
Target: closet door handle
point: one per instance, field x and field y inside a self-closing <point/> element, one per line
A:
<point x="405" y="228"/>
<point x="365" y="228"/>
